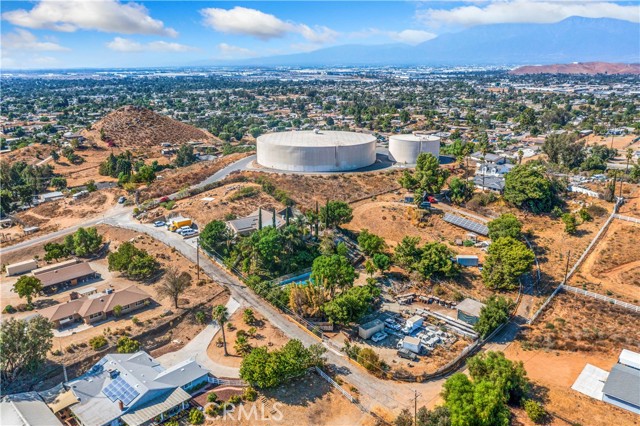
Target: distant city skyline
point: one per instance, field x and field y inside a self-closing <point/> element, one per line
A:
<point x="111" y="33"/>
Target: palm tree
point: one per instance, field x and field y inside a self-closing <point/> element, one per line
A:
<point x="221" y="316"/>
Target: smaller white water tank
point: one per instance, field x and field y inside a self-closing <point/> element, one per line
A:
<point x="404" y="149"/>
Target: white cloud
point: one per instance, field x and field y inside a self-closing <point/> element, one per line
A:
<point x="102" y="15"/>
<point x="527" y="11"/>
<point x="231" y="51"/>
<point x="252" y="22"/>
<point x="120" y="44"/>
<point x="412" y="36"/>
<point x="21" y="39"/>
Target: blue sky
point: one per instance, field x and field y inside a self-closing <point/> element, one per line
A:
<point x="113" y="33"/>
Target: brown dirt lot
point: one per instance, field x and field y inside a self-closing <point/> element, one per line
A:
<point x="574" y="331"/>
<point x="31" y="154"/>
<point x="267" y="335"/>
<point x="203" y="211"/>
<point x="619" y="142"/>
<point x="613" y="267"/>
<point x="305" y="190"/>
<point x="551" y="242"/>
<point x="60" y="214"/>
<point x="308" y="401"/>
<point x="173" y="180"/>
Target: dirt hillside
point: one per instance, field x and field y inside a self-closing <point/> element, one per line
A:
<point x="132" y="126"/>
<point x="591" y="68"/>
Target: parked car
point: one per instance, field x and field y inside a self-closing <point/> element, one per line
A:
<point x="183" y="229"/>
<point x="188" y="233"/>
<point x="379" y="336"/>
<point x="163" y="200"/>
<point x="159" y="223"/>
<point x="432" y="199"/>
<point x="407" y="354"/>
<point x="121" y="200"/>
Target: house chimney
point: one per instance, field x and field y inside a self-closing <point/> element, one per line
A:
<point x="121" y="405"/>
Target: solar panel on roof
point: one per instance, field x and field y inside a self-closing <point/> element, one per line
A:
<point x="119" y="389"/>
<point x="476" y="227"/>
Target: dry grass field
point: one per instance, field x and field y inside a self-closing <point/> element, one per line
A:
<point x="613" y="267"/>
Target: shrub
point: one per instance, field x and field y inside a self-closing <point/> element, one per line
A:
<point x="250" y="394"/>
<point x="235" y="399"/>
<point x="200" y="317"/>
<point x="135" y="320"/>
<point x="127" y="345"/>
<point x="212" y="397"/>
<point x="534" y="410"/>
<point x="8" y="309"/>
<point x="117" y="310"/>
<point x="98" y="342"/>
<point x="196" y="417"/>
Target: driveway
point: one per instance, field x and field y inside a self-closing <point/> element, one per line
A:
<point x="197" y="349"/>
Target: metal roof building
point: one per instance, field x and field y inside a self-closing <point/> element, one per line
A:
<point x="26" y="409"/>
<point x="316" y="151"/>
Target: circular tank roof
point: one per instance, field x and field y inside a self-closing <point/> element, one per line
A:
<point x="415" y="138"/>
<point x="313" y="138"/>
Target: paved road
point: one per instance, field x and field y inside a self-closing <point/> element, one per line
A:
<point x="197" y="349"/>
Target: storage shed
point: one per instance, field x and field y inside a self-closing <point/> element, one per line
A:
<point x="21" y="267"/>
<point x="370" y="328"/>
<point x="469" y="311"/>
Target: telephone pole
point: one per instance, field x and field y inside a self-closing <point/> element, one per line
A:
<point x="198" y="257"/>
<point x="415" y="407"/>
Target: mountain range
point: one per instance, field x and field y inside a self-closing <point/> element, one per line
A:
<point x="574" y="39"/>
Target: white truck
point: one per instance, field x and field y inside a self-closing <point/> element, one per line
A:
<point x="412" y="324"/>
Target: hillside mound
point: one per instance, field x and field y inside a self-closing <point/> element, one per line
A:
<point x="132" y="126"/>
<point x="590" y="68"/>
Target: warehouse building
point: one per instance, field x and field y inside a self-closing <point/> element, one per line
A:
<point x="370" y="328"/>
<point x="316" y="151"/>
<point x="469" y="311"/>
<point x="404" y="149"/>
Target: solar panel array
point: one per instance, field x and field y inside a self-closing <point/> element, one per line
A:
<point x="120" y="389"/>
<point x="472" y="226"/>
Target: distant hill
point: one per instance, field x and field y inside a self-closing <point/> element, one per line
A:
<point x="135" y="127"/>
<point x="571" y="40"/>
<point x="579" y="68"/>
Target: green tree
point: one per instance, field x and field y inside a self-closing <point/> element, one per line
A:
<point x="185" y="156"/>
<point x="438" y="417"/>
<point x="351" y="305"/>
<point x="55" y="251"/>
<point x="528" y="188"/>
<point x="428" y="176"/>
<point x="405" y="418"/>
<point x="216" y="236"/>
<point x="59" y="183"/>
<point x="570" y="223"/>
<point x="436" y="260"/>
<point x="174" y="284"/>
<point x="146" y="174"/>
<point x="564" y="149"/>
<point x="461" y="190"/>
<point x="86" y="241"/>
<point x="117" y="310"/>
<point x="333" y="272"/>
<point x="27" y="286"/>
<point x="507" y="225"/>
<point x="220" y="314"/>
<point x="474" y="403"/>
<point x="493" y="314"/>
<point x="508" y="376"/>
<point x="407" y="254"/>
<point x="127" y="345"/>
<point x="91" y="186"/>
<point x="24" y="345"/>
<point x="133" y="262"/>
<point x="382" y="262"/>
<point x="508" y="259"/>
<point x="336" y="213"/>
<point x="370" y="243"/>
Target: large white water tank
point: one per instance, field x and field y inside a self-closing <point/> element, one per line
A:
<point x="316" y="151"/>
<point x="405" y="149"/>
